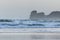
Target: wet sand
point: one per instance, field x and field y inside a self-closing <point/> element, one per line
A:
<point x="29" y="36"/>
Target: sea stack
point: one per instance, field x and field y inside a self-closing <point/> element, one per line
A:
<point x="55" y="15"/>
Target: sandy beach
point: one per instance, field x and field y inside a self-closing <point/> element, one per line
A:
<point x="29" y="36"/>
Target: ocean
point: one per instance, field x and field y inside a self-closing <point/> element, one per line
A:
<point x="30" y="30"/>
<point x="30" y="26"/>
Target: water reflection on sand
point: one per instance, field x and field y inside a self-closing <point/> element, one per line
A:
<point x="29" y="36"/>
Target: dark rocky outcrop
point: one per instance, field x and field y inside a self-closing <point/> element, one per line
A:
<point x="35" y="16"/>
<point x="5" y="20"/>
<point x="54" y="15"/>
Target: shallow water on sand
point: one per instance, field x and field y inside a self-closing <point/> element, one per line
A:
<point x="29" y="36"/>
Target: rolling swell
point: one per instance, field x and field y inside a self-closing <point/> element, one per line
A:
<point x="29" y="24"/>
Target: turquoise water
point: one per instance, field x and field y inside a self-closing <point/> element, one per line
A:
<point x="31" y="24"/>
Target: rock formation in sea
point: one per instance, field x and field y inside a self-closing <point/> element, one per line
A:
<point x="55" y="15"/>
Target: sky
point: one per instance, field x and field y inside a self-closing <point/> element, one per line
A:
<point x="21" y="9"/>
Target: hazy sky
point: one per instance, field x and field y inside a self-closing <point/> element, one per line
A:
<point x="20" y="9"/>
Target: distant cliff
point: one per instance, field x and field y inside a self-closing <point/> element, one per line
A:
<point x="55" y="15"/>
